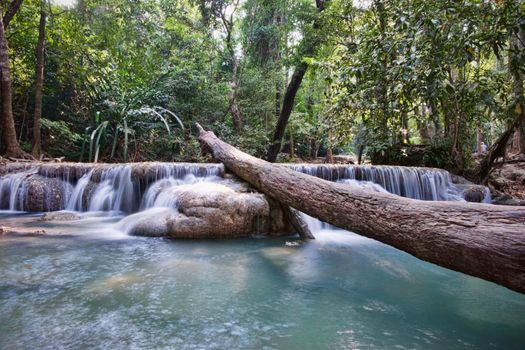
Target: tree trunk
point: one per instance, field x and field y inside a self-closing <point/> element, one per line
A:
<point x="360" y="151"/>
<point x="479" y="138"/>
<point x="12" y="148"/>
<point x="521" y="139"/>
<point x="11" y="11"/>
<point x="499" y="147"/>
<point x="233" y="107"/>
<point x="299" y="224"/>
<point x="286" y="111"/>
<point x="36" y="150"/>
<point x="478" y="239"/>
<point x="292" y="149"/>
<point x="517" y="109"/>
<point x="517" y="46"/>
<point x="329" y="155"/>
<point x="289" y="96"/>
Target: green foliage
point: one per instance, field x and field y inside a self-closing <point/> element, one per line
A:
<point x="403" y="65"/>
<point x="57" y="134"/>
<point x="438" y="155"/>
<point x="127" y="80"/>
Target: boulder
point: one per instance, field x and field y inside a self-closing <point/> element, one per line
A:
<point x="475" y="193"/>
<point x="508" y="184"/>
<point x="209" y="210"/>
<point x="40" y="193"/>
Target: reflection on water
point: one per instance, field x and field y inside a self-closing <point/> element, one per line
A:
<point x="101" y="289"/>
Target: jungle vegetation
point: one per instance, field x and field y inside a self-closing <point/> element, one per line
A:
<point x="410" y="82"/>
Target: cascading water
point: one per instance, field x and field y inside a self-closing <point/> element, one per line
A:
<point x="121" y="188"/>
<point x="417" y="183"/>
<point x="133" y="187"/>
<point x="75" y="201"/>
<point x="10" y="189"/>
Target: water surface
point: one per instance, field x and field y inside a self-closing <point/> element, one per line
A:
<point x="97" y="288"/>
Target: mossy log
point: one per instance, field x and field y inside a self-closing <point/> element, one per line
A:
<point x="481" y="240"/>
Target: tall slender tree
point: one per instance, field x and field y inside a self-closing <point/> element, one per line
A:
<point x="517" y="44"/>
<point x="233" y="107"/>
<point x="291" y="91"/>
<point x="39" y="86"/>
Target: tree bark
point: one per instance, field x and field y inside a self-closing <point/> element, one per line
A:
<point x="12" y="148"/>
<point x="39" y="86"/>
<point x="289" y="96"/>
<point x="11" y="11"/>
<point x="233" y="107"/>
<point x="517" y="46"/>
<point x="296" y="219"/>
<point x="479" y="138"/>
<point x="286" y="111"/>
<point x="478" y="239"/>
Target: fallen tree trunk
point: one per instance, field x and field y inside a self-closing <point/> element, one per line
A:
<point x="477" y="239"/>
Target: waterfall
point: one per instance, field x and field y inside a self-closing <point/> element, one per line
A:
<point x="122" y="188"/>
<point x="11" y="191"/>
<point x="411" y="182"/>
<point x="75" y="202"/>
<point x="129" y="188"/>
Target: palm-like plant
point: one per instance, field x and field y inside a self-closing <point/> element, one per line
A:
<point x="123" y="112"/>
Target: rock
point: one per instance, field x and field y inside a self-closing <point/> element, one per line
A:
<point x="344" y="159"/>
<point x="61" y="216"/>
<point x="509" y="180"/>
<point x="23" y="231"/>
<point x="44" y="194"/>
<point x="506" y="199"/>
<point x="459" y="180"/>
<point x="151" y="223"/>
<point x="209" y="210"/>
<point x="475" y="194"/>
<point x="5" y="230"/>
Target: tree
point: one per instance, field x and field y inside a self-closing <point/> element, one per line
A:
<point x="12" y="148"/>
<point x="484" y="241"/>
<point x="517" y="54"/>
<point x="233" y="107"/>
<point x="291" y="90"/>
<point x="39" y="86"/>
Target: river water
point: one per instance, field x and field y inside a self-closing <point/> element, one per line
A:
<point x="96" y="288"/>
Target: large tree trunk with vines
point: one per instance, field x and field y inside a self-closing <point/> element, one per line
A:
<point x="478" y="239"/>
<point x="11" y="146"/>
<point x="39" y="86"/>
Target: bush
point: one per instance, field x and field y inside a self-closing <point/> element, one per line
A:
<point x="59" y="140"/>
<point x="435" y="155"/>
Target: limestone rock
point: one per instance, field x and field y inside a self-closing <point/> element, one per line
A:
<point x="209" y="210"/>
<point x="61" y="216"/>
<point x="44" y="194"/>
<point x="475" y="193"/>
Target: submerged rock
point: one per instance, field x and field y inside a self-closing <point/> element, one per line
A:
<point x="23" y="231"/>
<point x="61" y="216"/>
<point x="475" y="193"/>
